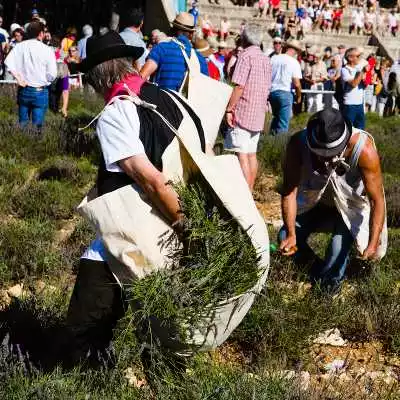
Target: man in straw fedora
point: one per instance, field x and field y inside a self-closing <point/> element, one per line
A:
<point x="332" y="183"/>
<point x="286" y="72"/>
<point x="166" y="61"/>
<point x="133" y="140"/>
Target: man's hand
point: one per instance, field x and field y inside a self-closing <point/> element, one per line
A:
<point x="288" y="246"/>
<point x="229" y="118"/>
<point x="369" y="253"/>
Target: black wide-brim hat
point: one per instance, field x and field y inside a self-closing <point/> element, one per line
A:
<point x="107" y="47"/>
<point x="328" y="133"/>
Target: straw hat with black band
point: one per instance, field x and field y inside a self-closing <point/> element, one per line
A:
<point x="184" y="22"/>
<point x="107" y="47"/>
<point x="328" y="133"/>
<point x="203" y="47"/>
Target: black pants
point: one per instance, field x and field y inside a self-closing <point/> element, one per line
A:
<point x="96" y="306"/>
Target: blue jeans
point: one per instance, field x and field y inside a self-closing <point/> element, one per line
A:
<point x="281" y="104"/>
<point x="33" y="103"/>
<point x="355" y="114"/>
<point x="331" y="271"/>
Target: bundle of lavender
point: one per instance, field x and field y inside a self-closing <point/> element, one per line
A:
<point x="211" y="261"/>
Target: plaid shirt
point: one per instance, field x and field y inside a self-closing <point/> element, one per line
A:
<point x="253" y="72"/>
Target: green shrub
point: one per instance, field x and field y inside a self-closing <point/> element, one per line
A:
<point x="271" y="152"/>
<point x="26" y="249"/>
<point x="47" y="199"/>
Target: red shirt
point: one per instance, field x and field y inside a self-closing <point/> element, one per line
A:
<point x="213" y="71"/>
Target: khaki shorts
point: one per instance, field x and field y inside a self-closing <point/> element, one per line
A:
<point x="240" y="140"/>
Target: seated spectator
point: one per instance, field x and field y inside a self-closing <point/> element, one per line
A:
<point x="357" y="21"/>
<point x="370" y="21"/>
<point x="224" y="28"/>
<point x="337" y="18"/>
<point x="305" y="26"/>
<point x="207" y="27"/>
<point x="327" y="18"/>
<point x="393" y="23"/>
<point x="326" y="58"/>
<point x="381" y="23"/>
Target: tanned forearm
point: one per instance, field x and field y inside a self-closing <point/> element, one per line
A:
<point x="377" y="220"/>
<point x="235" y="96"/>
<point x="289" y="212"/>
<point x="165" y="199"/>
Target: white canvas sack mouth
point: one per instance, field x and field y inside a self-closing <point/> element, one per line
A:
<point x="132" y="228"/>
<point x="208" y="97"/>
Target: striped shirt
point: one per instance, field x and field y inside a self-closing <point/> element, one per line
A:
<point x="171" y="65"/>
<point x="253" y="72"/>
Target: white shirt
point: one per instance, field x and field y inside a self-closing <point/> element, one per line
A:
<point x="352" y="96"/>
<point x="34" y="62"/>
<point x="327" y="14"/>
<point x="118" y="130"/>
<point x="284" y="69"/>
<point x="392" y="20"/>
<point x="357" y="18"/>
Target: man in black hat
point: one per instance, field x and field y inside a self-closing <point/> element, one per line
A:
<point x="133" y="140"/>
<point x="332" y="183"/>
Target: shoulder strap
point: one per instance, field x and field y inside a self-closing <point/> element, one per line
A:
<point x="358" y="148"/>
<point x="182" y="47"/>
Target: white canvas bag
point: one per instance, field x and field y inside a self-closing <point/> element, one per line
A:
<point x="132" y="229"/>
<point x="208" y="97"/>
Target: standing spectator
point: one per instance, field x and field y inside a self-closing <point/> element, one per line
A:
<point x="393" y="90"/>
<point x="357" y="21"/>
<point x="224" y="28"/>
<point x="277" y="45"/>
<point x="17" y="37"/>
<point x="381" y="89"/>
<point x="246" y="109"/>
<point x="69" y="39"/>
<point x="393" y="23"/>
<point x="333" y="73"/>
<point x="87" y="31"/>
<point x="369" y="82"/>
<point x="286" y="71"/>
<point x="132" y="21"/>
<point x="327" y="56"/>
<point x="4" y="31"/>
<point x="342" y="52"/>
<point x="166" y="60"/>
<point x="33" y="65"/>
<point x="204" y="48"/>
<point x="233" y="58"/>
<point x="315" y="74"/>
<point x="195" y="11"/>
<point x="352" y="78"/>
<point x="218" y="59"/>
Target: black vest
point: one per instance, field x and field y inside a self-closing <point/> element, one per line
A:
<point x="154" y="134"/>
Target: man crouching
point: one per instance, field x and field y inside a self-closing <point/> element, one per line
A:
<point x="133" y="140"/>
<point x="332" y="183"/>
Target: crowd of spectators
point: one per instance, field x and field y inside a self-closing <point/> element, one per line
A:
<point x="340" y="77"/>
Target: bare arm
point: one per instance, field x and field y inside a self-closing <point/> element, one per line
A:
<point x="148" y="69"/>
<point x="370" y="167"/>
<point x="154" y="184"/>
<point x="291" y="181"/>
<point x="357" y="79"/>
<point x="297" y="87"/>
<point x="235" y="96"/>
